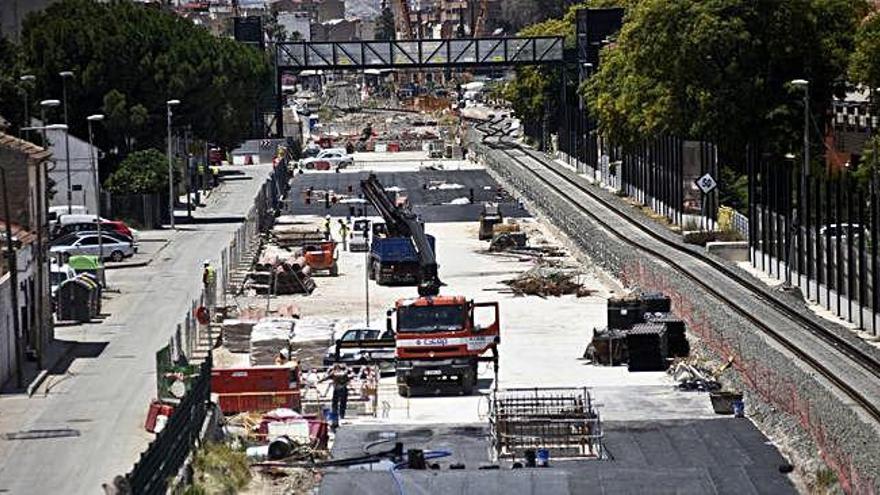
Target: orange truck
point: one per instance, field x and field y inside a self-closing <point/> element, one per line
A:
<point x="440" y="340"/>
<point x="322" y="257"/>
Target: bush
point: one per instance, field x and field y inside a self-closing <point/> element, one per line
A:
<point x="219" y="469"/>
<point x="142" y="172"/>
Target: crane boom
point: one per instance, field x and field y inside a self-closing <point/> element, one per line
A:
<point x="402" y="222"/>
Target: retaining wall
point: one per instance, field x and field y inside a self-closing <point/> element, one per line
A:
<point x="808" y="417"/>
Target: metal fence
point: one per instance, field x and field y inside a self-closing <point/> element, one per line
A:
<point x="166" y="453"/>
<point x="658" y="174"/>
<point x="823" y="240"/>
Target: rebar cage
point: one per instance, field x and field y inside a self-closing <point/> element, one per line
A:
<point x="564" y="421"/>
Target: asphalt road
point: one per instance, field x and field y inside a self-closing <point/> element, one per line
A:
<point x="431" y="192"/>
<point x="99" y="402"/>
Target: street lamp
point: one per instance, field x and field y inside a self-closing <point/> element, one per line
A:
<point x="44" y="104"/>
<point x="65" y="75"/>
<point x="93" y="161"/>
<point x="27" y="79"/>
<point x="168" y="105"/>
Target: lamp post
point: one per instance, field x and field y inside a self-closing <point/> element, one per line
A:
<point x="26" y="79"/>
<point x="168" y="105"/>
<point x="805" y="167"/>
<point x="93" y="161"/>
<point x="65" y="75"/>
<point x="44" y="104"/>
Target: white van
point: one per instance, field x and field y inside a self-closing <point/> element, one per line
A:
<point x="56" y="211"/>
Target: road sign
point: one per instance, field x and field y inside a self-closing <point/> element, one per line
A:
<point x="706" y="184"/>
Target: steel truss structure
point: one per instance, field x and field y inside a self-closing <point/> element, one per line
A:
<point x="423" y="53"/>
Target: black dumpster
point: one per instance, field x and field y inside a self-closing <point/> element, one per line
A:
<point x="75" y="300"/>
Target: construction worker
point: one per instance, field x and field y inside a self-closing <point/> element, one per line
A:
<point x="343" y="231"/>
<point x="340" y="375"/>
<point x="209" y="283"/>
<point x="327" y="234"/>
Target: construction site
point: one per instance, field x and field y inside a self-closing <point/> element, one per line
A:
<point x="530" y="357"/>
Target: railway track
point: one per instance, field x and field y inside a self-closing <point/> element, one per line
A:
<point x="682" y="259"/>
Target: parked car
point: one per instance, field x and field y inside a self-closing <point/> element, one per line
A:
<point x="113" y="248"/>
<point x="359" y="355"/>
<point x="329" y="158"/>
<point x="844" y="231"/>
<point x="68" y="239"/>
<point x="56" y="211"/>
<point x="75" y="223"/>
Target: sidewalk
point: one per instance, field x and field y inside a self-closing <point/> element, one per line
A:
<point x="88" y="414"/>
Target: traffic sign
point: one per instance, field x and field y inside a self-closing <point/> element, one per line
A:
<point x="706" y="184"/>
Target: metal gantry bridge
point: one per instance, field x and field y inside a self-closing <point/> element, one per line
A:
<point x="419" y="54"/>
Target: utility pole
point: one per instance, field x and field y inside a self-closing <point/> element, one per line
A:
<point x="12" y="266"/>
<point x="64" y="76"/>
<point x="168" y="105"/>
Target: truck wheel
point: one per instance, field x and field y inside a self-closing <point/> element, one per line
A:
<point x="334" y="270"/>
<point x="404" y="391"/>
<point x="372" y="272"/>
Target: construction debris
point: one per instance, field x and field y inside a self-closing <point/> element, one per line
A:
<point x="545" y="281"/>
<point x="508" y="241"/>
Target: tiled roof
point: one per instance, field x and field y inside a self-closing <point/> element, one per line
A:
<point x="34" y="152"/>
<point x="24" y="235"/>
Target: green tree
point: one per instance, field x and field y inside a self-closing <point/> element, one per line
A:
<point x="534" y="93"/>
<point x="142" y="172"/>
<point x="385" y="29"/>
<point x="128" y="59"/>
<point x="719" y="69"/>
<point x="11" y="88"/>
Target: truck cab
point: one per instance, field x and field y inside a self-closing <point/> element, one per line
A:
<point x="439" y="341"/>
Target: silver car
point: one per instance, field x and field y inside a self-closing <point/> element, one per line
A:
<point x="113" y="248"/>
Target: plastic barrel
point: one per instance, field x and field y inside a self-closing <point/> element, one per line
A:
<point x="542" y="458"/>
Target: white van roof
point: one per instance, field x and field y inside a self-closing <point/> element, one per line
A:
<point x="62" y="209"/>
<point x="77" y="218"/>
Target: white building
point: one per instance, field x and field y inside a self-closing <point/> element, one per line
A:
<point x="296" y="22"/>
<point x="81" y="175"/>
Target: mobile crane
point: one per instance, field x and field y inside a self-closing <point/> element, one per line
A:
<point x="438" y="342"/>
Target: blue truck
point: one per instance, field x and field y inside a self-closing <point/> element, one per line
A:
<point x="395" y="261"/>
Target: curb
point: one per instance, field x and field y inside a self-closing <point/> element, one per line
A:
<point x="41" y="377"/>
<point x="131" y="264"/>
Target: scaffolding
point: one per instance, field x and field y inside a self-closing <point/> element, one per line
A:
<point x="564" y="421"/>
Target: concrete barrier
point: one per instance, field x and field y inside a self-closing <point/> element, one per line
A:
<point x="730" y="250"/>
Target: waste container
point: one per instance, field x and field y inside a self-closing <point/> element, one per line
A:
<point x="88" y="264"/>
<point x="74" y="300"/>
<point x="95" y="296"/>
